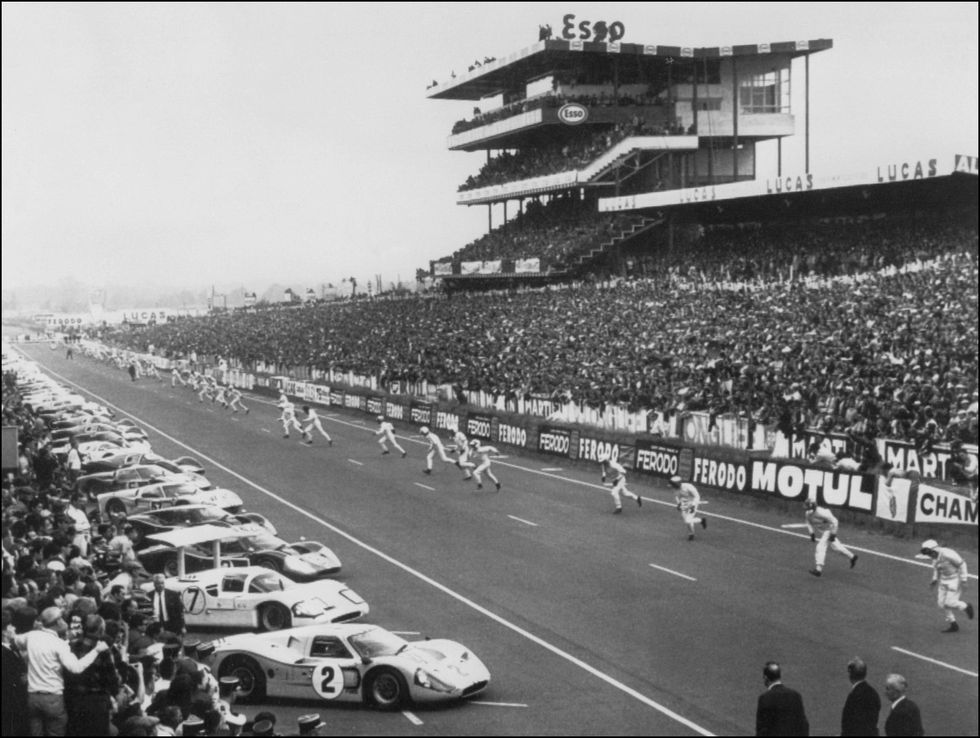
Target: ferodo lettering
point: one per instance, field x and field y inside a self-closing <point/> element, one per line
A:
<point x="553" y="443"/>
<point x="656" y="461"/>
<point x="512" y="435"/>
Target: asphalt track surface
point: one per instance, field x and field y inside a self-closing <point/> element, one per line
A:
<point x="590" y="623"/>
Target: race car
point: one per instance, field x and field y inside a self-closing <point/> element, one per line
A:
<point x="169" y="518"/>
<point x="302" y="561"/>
<point x="137" y="476"/>
<point x="181" y="465"/>
<point x="165" y="494"/>
<point x="256" y="598"/>
<point x="348" y="663"/>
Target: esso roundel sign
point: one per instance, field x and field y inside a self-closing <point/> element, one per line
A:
<point x="573" y="114"/>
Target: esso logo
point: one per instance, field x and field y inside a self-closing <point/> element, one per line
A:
<point x="572" y="114"/>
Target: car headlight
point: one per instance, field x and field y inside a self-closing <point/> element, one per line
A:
<point x="295" y="563"/>
<point x="308" y="609"/>
<point x="428" y="681"/>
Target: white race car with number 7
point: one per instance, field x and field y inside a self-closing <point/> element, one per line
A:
<point x="349" y="662"/>
<point x="255" y="597"/>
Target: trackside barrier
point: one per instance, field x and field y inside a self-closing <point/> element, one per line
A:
<point x="906" y="508"/>
<point x="903" y="455"/>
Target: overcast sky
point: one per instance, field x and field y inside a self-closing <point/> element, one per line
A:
<point x="234" y="143"/>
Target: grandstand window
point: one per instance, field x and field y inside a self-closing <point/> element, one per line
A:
<point x="710" y="103"/>
<point x="765" y="93"/>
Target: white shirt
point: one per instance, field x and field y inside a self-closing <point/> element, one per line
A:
<point x="949" y="565"/>
<point x="46" y="655"/>
<point x="386" y="428"/>
<point x="74" y="459"/>
<point x="687" y="495"/>
<point x="79" y="518"/>
<point x="821" y="520"/>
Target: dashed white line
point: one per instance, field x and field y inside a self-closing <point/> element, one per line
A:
<point x="498" y="704"/>
<point x="355" y="461"/>
<point x="412" y="718"/>
<point x="675" y="573"/>
<point x="424" y="486"/>
<point x="265" y="430"/>
<point x="935" y="661"/>
<point x="552" y="469"/>
<point x="522" y="520"/>
<point x="793" y="525"/>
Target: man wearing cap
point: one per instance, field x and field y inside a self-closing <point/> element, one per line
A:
<point x="309" y="724"/>
<point x="822" y="525"/>
<point x="688" y="498"/>
<point x="89" y="695"/>
<point x="168" y="608"/>
<point x="235" y="723"/>
<point x="950" y="573"/>
<point x="47" y="654"/>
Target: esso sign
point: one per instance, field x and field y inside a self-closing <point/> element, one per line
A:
<point x="572" y="114"/>
<point x="596" y="30"/>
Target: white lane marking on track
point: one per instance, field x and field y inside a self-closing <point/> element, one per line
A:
<point x="497" y="704"/>
<point x="793" y="525"/>
<point x="406" y="632"/>
<point x="675" y="573"/>
<point x="355" y="461"/>
<point x="522" y="520"/>
<point x="552" y="469"/>
<point x="234" y="420"/>
<point x="266" y="430"/>
<point x="412" y="718"/>
<point x="424" y="486"/>
<point x="588" y="668"/>
<point x="935" y="661"/>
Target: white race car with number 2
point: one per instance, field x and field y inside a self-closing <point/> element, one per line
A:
<point x="349" y="662"/>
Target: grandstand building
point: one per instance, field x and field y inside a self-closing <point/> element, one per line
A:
<point x="567" y="123"/>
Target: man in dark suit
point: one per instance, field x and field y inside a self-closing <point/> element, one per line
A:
<point x="863" y="705"/>
<point x="904" y="718"/>
<point x="167" y="606"/>
<point x="780" y="711"/>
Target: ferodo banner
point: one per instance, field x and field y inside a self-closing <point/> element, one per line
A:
<point x="935" y="505"/>
<point x="788" y="480"/>
<point x="375" y="405"/>
<point x="394" y="411"/>
<point x="555" y="441"/>
<point x="421" y="413"/>
<point x="933" y="465"/>
<point x="336" y="397"/>
<point x="512" y="435"/>
<point x="588" y="449"/>
<point x="660" y="461"/>
<point x="446" y="420"/>
<point x="479" y="426"/>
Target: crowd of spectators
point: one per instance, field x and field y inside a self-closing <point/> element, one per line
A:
<point x="550" y="232"/>
<point x="879" y="320"/>
<point x="570" y="154"/>
<point x="82" y="652"/>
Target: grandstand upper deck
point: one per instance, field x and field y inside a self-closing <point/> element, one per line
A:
<point x="673" y="116"/>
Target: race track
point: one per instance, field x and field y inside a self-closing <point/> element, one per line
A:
<point x="590" y="623"/>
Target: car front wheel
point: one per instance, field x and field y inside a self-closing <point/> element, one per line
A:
<point x="251" y="680"/>
<point x="386" y="688"/>
<point x="274" y="617"/>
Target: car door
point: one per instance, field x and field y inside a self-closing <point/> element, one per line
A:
<point x="231" y="606"/>
<point x="335" y="670"/>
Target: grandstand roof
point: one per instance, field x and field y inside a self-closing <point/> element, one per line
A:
<point x="552" y="55"/>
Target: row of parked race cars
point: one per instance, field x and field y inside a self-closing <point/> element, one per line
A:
<point x="232" y="570"/>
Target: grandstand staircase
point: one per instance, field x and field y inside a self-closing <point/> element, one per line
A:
<point x="580" y="258"/>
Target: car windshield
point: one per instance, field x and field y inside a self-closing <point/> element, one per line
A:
<point x="270" y="582"/>
<point x="263" y="541"/>
<point x="377" y="642"/>
<point x="180" y="490"/>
